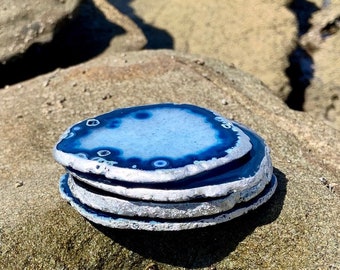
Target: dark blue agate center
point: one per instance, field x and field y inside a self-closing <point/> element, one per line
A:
<point x="161" y="136"/>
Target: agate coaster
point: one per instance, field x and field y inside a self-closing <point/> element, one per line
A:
<point x="152" y="143"/>
<point x="122" y="222"/>
<point x="163" y="167"/>
<point x="109" y="203"/>
<point x="236" y="176"/>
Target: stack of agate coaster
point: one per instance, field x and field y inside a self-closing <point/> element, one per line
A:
<point x="163" y="167"/>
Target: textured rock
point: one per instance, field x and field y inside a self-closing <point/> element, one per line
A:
<point x="299" y="228"/>
<point x="256" y="38"/>
<point x="322" y="42"/>
<point x="95" y="28"/>
<point x="28" y="22"/>
<point x="132" y="37"/>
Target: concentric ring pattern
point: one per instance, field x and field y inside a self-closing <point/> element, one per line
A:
<point x="163" y="167"/>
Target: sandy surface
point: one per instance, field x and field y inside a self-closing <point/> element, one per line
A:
<point x="255" y="37"/>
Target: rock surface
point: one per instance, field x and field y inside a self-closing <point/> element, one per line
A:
<point x="131" y="38"/>
<point x="256" y="38"/>
<point x="322" y="41"/>
<point x="28" y="22"/>
<point x="96" y="28"/>
<point x="297" y="229"/>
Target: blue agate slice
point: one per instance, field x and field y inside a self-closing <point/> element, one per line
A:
<point x="152" y="143"/>
<point x="161" y="224"/>
<point x="243" y="173"/>
<point x="163" y="167"/>
<point x="111" y="203"/>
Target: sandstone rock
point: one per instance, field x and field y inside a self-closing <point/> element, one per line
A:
<point x="323" y="102"/>
<point x="297" y="229"/>
<point x="25" y="23"/>
<point x="255" y="37"/>
<point x="131" y="38"/>
<point x="96" y="28"/>
<point x="322" y="42"/>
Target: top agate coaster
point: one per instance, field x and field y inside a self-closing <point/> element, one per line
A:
<point x="152" y="143"/>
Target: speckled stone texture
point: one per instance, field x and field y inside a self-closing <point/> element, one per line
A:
<point x="322" y="99"/>
<point x="94" y="28"/>
<point x="297" y="229"/>
<point x="23" y="23"/>
<point x="255" y="37"/>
